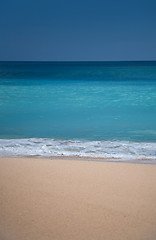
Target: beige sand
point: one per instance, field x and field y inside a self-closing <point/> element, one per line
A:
<point x="62" y="199"/>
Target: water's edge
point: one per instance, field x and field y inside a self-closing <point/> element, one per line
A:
<point x="116" y="151"/>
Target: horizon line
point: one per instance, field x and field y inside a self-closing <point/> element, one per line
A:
<point x="77" y="61"/>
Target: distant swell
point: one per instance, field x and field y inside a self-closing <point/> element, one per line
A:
<point x="115" y="150"/>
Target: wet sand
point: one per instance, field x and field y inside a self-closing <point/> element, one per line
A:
<point x="48" y="199"/>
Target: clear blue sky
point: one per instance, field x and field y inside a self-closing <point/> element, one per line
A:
<point x="69" y="30"/>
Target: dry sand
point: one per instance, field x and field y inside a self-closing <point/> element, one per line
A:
<point x="43" y="199"/>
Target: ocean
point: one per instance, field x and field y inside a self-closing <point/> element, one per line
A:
<point x="89" y="109"/>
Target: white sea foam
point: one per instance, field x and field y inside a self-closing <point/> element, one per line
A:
<point x="114" y="150"/>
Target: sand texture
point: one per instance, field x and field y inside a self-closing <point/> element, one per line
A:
<point x="43" y="199"/>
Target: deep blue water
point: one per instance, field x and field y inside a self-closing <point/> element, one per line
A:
<point x="83" y="101"/>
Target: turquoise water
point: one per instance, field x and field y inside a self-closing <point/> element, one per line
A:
<point x="104" y="102"/>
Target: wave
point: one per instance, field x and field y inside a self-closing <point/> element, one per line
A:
<point x="112" y="150"/>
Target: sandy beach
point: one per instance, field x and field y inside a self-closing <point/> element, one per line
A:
<point x="47" y="199"/>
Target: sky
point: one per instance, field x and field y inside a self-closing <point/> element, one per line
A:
<point x="82" y="30"/>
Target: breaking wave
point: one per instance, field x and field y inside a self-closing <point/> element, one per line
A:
<point x="112" y="150"/>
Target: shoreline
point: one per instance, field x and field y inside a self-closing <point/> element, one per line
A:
<point x="44" y="199"/>
<point x="121" y="151"/>
<point x="82" y="158"/>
